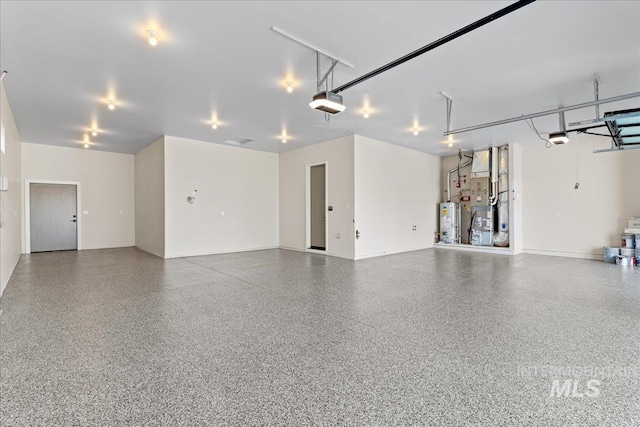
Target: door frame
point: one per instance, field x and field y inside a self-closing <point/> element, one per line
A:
<point x="307" y="243"/>
<point x="27" y="210"/>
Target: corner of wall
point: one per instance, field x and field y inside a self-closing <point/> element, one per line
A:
<point x="10" y="167"/>
<point x="150" y="184"/>
<point x="515" y="197"/>
<point x="396" y="191"/>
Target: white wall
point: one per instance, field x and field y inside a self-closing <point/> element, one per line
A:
<point x="395" y="189"/>
<point x="10" y="201"/>
<point x="239" y="182"/>
<point x="338" y="154"/>
<point x="107" y="189"/>
<point x="516" y="195"/>
<point x="149" y="198"/>
<point x="559" y="220"/>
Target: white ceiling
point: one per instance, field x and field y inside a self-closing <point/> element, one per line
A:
<point x="221" y="57"/>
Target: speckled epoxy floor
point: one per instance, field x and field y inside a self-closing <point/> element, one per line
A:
<point x="434" y="337"/>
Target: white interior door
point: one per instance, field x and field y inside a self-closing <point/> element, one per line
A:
<point x="53" y="217"/>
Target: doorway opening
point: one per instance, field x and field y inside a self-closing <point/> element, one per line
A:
<point x="317" y="207"/>
<point x="52" y="211"/>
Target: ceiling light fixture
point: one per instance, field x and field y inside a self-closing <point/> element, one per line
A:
<point x="94" y="132"/>
<point x="415" y="131"/>
<point x="153" y="37"/>
<point x="366" y="114"/>
<point x="111" y="106"/>
<point x="328" y="102"/>
<point x="289" y="87"/>
<point x="558" y="138"/>
<point x="214" y="125"/>
<point x="86" y="145"/>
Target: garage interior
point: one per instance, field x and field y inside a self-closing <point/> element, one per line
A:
<point x="320" y="213"/>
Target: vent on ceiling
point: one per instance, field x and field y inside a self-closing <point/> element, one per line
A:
<point x="238" y="141"/>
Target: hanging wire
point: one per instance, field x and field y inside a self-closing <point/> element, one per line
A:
<point x="532" y="126"/>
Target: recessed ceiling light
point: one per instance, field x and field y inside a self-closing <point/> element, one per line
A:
<point x="415" y="131"/>
<point x="289" y="87"/>
<point x="366" y="114"/>
<point x="111" y="106"/>
<point x="284" y="140"/>
<point x="153" y="37"/>
<point x="214" y="126"/>
<point x="94" y="132"/>
<point x="86" y="145"/>
<point x="450" y="141"/>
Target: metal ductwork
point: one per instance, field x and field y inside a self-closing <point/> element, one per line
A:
<point x="501" y="238"/>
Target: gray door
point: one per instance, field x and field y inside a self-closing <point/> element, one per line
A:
<point x="318" y="208"/>
<point x="52" y="208"/>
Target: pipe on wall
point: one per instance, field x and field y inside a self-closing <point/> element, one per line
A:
<point x="449" y="177"/>
<point x="494" y="176"/>
<point x="501" y="237"/>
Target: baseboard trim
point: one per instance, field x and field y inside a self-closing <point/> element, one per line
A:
<point x="305" y="251"/>
<point x="187" y="255"/>
<point x="379" y="254"/>
<point x="149" y="252"/>
<point x="3" y="286"/>
<point x="470" y="248"/>
<point x="578" y="255"/>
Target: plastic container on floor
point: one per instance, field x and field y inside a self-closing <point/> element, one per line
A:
<point x="628" y="240"/>
<point x="610" y="254"/>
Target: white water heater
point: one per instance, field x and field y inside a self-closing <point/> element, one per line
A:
<point x="449" y="222"/>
